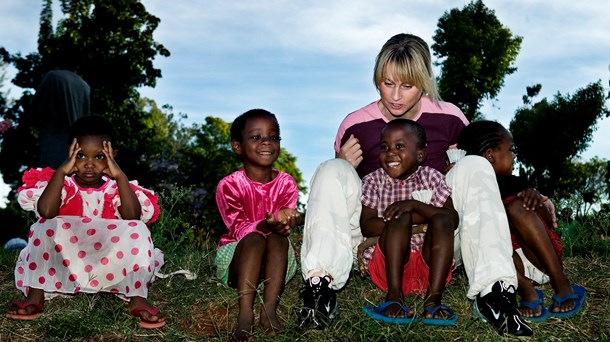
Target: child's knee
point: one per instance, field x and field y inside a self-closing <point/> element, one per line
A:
<point x="442" y="224"/>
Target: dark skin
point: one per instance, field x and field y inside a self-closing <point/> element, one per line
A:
<point x="394" y="231"/>
<point x="258" y="255"/>
<point x="526" y="217"/>
<point x="401" y="153"/>
<point x="89" y="158"/>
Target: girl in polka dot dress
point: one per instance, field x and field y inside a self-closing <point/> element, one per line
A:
<point x="90" y="235"/>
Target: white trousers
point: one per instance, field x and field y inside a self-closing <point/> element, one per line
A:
<point x="332" y="223"/>
<point x="482" y="241"/>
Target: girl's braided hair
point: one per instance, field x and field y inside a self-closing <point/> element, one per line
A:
<point x="480" y="136"/>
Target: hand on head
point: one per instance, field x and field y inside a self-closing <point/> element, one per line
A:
<point x="113" y="169"/>
<point x="351" y="151"/>
<point x="69" y="166"/>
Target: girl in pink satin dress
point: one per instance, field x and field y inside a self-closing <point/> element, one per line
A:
<point x="257" y="204"/>
<point x="90" y="234"/>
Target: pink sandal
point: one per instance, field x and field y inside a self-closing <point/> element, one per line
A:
<point x="22" y="305"/>
<point x="144" y="323"/>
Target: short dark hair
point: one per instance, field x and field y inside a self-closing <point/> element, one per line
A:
<point x="480" y="136"/>
<point x="419" y="130"/>
<point x="93" y="125"/>
<point x="239" y="124"/>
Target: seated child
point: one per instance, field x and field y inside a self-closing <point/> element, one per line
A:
<point x="389" y="211"/>
<point x="537" y="248"/>
<point x="257" y="204"/>
<point x="90" y="235"/>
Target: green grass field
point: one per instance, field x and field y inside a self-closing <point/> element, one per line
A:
<point x="204" y="310"/>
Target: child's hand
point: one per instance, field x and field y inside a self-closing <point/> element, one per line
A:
<point x="69" y="166"/>
<point x="113" y="170"/>
<point x="281" y="226"/>
<point x="550" y="207"/>
<point x="532" y="199"/>
<point x="394" y="210"/>
<point x="290" y="216"/>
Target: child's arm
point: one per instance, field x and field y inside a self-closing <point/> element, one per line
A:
<point x="130" y="208"/>
<point x="422" y="212"/>
<point x="50" y="199"/>
<point x="370" y="224"/>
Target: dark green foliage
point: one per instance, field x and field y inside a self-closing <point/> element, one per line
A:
<point x="108" y="43"/>
<point x="548" y="134"/>
<point x="477" y="52"/>
<point x="583" y="185"/>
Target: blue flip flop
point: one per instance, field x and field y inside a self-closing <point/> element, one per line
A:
<point x="440" y="321"/>
<point x="544" y="313"/>
<point x="579" y="296"/>
<point x="376" y="313"/>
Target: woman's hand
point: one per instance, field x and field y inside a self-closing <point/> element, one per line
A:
<point x="351" y="151"/>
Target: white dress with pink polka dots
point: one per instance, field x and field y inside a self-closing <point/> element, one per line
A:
<point x="88" y="253"/>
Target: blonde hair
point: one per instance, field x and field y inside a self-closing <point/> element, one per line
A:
<point x="407" y="57"/>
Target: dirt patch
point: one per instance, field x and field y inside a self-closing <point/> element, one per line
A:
<point x="207" y="319"/>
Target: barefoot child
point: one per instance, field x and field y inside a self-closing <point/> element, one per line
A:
<point x="537" y="248"/>
<point x="90" y="235"/>
<point x="257" y="204"/>
<point x="389" y="211"/>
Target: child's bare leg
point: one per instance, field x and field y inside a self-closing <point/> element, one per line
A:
<point x="525" y="288"/>
<point x="35" y="296"/>
<point x="537" y="247"/>
<point x="276" y="264"/>
<point x="244" y="273"/>
<point x="438" y="255"/>
<point x="395" y="243"/>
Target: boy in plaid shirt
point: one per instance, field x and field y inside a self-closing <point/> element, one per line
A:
<point x="389" y="212"/>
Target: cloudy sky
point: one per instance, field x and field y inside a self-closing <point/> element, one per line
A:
<point x="310" y="62"/>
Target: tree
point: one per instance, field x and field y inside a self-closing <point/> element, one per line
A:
<point x="108" y="43"/>
<point x="477" y="52"/>
<point x="549" y="134"/>
<point x="584" y="185"/>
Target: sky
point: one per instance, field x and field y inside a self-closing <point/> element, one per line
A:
<point x="311" y="62"/>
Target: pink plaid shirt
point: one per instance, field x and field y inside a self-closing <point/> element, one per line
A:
<point x="380" y="190"/>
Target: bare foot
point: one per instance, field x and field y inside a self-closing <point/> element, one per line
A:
<point x="395" y="310"/>
<point x="245" y="327"/>
<point x="30" y="308"/>
<point x="150" y="317"/>
<point x="269" y="322"/>
<point x="567" y="305"/>
<point x="531" y="297"/>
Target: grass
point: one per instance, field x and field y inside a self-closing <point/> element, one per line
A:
<point x="203" y="310"/>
